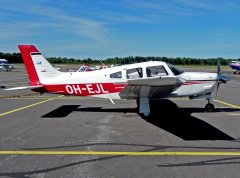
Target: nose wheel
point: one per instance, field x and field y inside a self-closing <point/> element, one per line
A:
<point x="209" y="107"/>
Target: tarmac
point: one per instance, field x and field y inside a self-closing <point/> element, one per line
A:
<point x="64" y="136"/>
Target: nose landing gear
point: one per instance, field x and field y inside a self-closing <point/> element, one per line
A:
<point x="209" y="107"/>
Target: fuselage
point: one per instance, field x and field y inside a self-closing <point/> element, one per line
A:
<point x="140" y="81"/>
<point x="107" y="83"/>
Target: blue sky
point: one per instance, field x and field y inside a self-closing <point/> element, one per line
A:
<point x="115" y="28"/>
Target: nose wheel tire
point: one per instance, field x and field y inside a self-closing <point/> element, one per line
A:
<point x="209" y="107"/>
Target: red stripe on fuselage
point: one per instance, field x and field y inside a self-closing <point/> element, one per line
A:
<point x="83" y="89"/>
<point x="195" y="82"/>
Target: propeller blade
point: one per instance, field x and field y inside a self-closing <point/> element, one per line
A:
<point x="218" y="68"/>
<point x="217" y="90"/>
<point x="220" y="78"/>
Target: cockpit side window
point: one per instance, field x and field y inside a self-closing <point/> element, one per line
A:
<point x="156" y="71"/>
<point x="116" y="75"/>
<point x="134" y="73"/>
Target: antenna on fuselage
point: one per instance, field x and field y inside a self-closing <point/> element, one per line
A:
<point x="101" y="62"/>
<point x="103" y="66"/>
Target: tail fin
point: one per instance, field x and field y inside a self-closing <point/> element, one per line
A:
<point x="38" y="68"/>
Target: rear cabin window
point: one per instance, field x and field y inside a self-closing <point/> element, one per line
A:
<point x="116" y="75"/>
<point x="134" y="73"/>
<point x="156" y="71"/>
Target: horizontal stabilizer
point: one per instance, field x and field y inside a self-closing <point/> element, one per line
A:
<point x="24" y="87"/>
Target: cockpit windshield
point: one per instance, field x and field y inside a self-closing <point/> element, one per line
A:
<point x="175" y="70"/>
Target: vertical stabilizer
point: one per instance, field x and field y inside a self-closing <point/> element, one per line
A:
<point x="38" y="68"/>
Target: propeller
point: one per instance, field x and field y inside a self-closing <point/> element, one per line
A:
<point x="220" y="78"/>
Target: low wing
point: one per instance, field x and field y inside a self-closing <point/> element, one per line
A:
<point x="158" y="87"/>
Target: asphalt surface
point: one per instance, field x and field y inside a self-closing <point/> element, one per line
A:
<point x="186" y="141"/>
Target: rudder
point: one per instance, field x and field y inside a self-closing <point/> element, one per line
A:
<point x="38" y="68"/>
<point x="25" y="51"/>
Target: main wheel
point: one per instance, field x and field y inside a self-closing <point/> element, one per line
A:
<point x="209" y="107"/>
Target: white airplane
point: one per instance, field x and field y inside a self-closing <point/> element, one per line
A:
<point x="141" y="81"/>
<point x="5" y="66"/>
<point x="236" y="66"/>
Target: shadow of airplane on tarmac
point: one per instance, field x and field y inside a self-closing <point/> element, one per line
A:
<point x="181" y="123"/>
<point x="165" y="115"/>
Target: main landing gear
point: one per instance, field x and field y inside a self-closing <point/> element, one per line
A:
<point x="237" y="72"/>
<point x="143" y="107"/>
<point x="143" y="102"/>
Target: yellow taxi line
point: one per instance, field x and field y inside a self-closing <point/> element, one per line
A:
<point x="25" y="107"/>
<point x="28" y="106"/>
<point x="119" y="153"/>
<point x="228" y="104"/>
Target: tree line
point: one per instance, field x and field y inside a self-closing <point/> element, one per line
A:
<point x="16" y="58"/>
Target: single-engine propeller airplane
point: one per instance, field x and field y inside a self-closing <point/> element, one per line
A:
<point x="141" y="81"/>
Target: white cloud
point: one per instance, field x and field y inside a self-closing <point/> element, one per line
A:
<point x="52" y="17"/>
